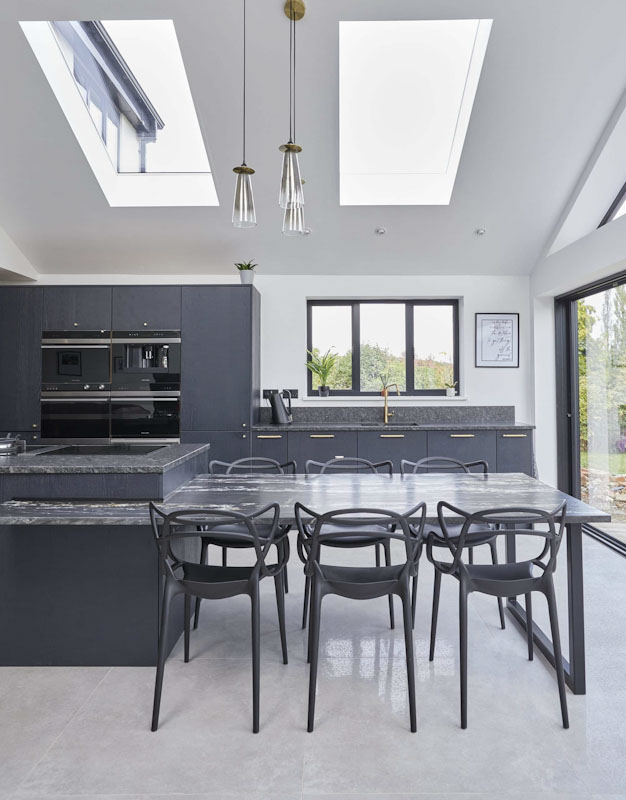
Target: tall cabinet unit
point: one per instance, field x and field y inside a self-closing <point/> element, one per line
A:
<point x="220" y="380"/>
<point x="20" y="359"/>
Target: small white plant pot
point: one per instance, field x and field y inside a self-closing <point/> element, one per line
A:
<point x="451" y="392"/>
<point x="247" y="276"/>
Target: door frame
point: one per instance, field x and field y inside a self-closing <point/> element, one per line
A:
<point x="567" y="410"/>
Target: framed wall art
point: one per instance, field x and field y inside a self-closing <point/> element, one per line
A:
<point x="497" y="340"/>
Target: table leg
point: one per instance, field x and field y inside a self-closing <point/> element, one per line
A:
<point x="575" y="667"/>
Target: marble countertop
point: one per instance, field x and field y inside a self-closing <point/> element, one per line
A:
<point x="321" y="493"/>
<point x="396" y="426"/>
<point x="159" y="461"/>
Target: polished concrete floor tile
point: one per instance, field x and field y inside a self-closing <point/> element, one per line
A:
<point x="36" y="703"/>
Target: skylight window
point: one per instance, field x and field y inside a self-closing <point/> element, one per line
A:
<point x="406" y="94"/>
<point x="124" y="91"/>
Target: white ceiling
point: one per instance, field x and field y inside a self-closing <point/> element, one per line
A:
<point x="553" y="74"/>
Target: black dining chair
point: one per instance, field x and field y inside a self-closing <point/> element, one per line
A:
<point x="225" y="538"/>
<point x="174" y="534"/>
<point x="505" y="580"/>
<point x="349" y="466"/>
<point x="359" y="583"/>
<point x="478" y="536"/>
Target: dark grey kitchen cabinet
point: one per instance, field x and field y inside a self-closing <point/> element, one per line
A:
<point x="266" y="444"/>
<point x="225" y="445"/>
<point x="464" y="446"/>
<point x="320" y="446"/>
<point x="152" y="308"/>
<point x="220" y="357"/>
<point x="20" y="357"/>
<point x="30" y="437"/>
<point x="515" y="451"/>
<point x="76" y="308"/>
<point x="389" y="445"/>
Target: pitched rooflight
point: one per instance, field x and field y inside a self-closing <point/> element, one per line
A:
<point x="406" y="94"/>
<point x="110" y="77"/>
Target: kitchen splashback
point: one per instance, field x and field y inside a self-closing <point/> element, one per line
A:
<point x="419" y="415"/>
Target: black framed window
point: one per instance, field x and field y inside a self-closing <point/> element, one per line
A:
<point x="412" y="343"/>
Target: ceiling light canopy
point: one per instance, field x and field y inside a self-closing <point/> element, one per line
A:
<point x="406" y="94"/>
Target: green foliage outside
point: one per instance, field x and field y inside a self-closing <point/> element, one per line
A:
<point x="602" y="372"/>
<point x="377" y="361"/>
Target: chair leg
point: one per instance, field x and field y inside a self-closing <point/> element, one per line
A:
<point x="256" y="655"/>
<point x="224" y="556"/>
<point x="187" y="625"/>
<point x="463" y="651"/>
<point x="161" y="655"/>
<point x="314" y="646"/>
<point x="286" y="580"/>
<point x="305" y="605"/>
<point x="558" y="656"/>
<point x="470" y="555"/>
<point x="280" y="603"/>
<point x="414" y="599"/>
<point x="410" y="656"/>
<point x="529" y="625"/>
<point x="387" y="548"/>
<point x="204" y="559"/>
<point x="435" y="614"/>
<point x="377" y="548"/>
<point x="494" y="560"/>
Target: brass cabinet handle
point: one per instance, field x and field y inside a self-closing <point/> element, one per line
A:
<point x="391" y="435"/>
<point x="272" y="436"/>
<point x="462" y="435"/>
<point x="321" y="436"/>
<point x="514" y="435"/>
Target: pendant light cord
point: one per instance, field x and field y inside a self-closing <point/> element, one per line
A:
<point x="290" y="70"/>
<point x="244" y="85"/>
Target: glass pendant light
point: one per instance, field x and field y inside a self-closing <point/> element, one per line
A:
<point x="244" y="214"/>
<point x="291" y="196"/>
<point x="293" y="221"/>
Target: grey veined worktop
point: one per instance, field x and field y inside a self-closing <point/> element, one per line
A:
<point x="150" y="476"/>
<point x="398" y="426"/>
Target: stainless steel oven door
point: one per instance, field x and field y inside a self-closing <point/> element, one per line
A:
<point x="76" y="419"/>
<point x="139" y="417"/>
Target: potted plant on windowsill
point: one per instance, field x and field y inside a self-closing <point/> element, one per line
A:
<point x="322" y="366"/>
<point x="246" y="271"/>
<point x="450" y="389"/>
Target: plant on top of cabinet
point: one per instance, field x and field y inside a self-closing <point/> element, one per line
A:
<point x="246" y="271"/>
<point x="322" y="366"/>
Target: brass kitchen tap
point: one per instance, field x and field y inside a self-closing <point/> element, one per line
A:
<point x="385" y="393"/>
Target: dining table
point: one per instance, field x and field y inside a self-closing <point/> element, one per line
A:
<point x="470" y="492"/>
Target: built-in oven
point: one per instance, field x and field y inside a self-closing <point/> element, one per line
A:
<point x="140" y="415"/>
<point x="145" y="360"/>
<point x="76" y="357"/>
<point x="75" y="416"/>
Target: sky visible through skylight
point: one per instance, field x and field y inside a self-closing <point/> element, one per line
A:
<point x="407" y="89"/>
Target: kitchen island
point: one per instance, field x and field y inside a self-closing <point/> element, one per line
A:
<point x="80" y="580"/>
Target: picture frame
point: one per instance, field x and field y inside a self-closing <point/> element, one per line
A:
<point x="497" y="340"/>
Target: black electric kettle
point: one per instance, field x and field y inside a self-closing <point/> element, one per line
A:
<point x="280" y="414"/>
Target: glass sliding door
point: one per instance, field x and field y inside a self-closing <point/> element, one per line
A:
<point x="601" y="332"/>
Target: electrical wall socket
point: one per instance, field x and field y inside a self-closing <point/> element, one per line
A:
<point x="267" y="392"/>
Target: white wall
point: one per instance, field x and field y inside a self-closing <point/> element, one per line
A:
<point x="283" y="329"/>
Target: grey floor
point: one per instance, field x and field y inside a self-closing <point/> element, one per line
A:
<point x="84" y="732"/>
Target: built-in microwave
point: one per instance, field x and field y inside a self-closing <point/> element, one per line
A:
<point x="76" y="357"/>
